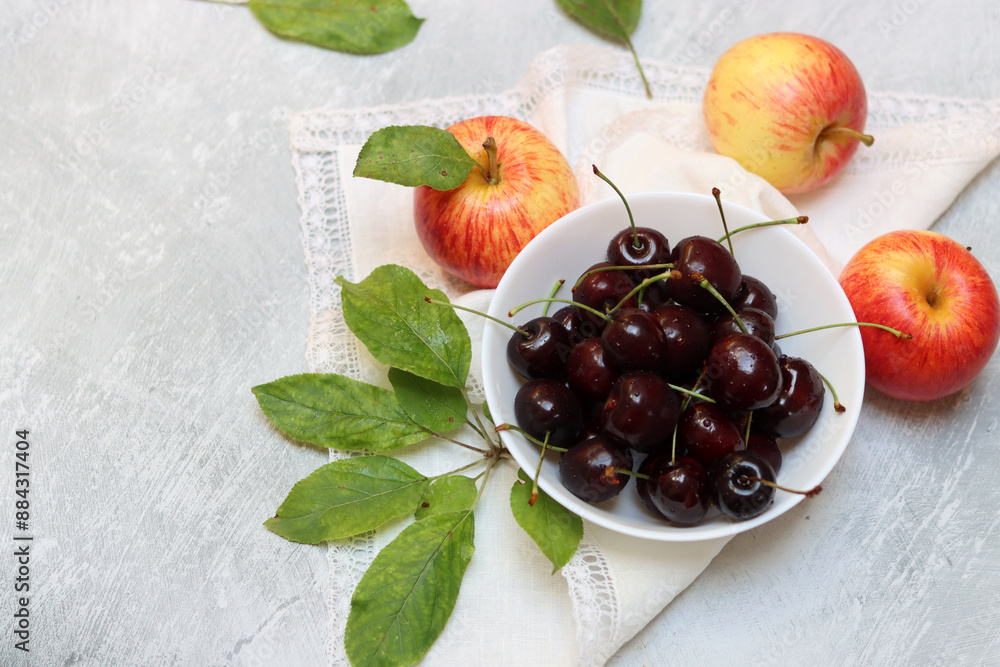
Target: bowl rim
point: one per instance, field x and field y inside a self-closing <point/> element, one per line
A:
<point x="663" y="530"/>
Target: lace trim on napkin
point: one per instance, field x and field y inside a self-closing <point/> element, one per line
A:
<point x="319" y="137"/>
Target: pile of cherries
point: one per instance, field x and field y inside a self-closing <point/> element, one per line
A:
<point x="666" y="357"/>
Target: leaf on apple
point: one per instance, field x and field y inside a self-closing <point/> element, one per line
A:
<point x="351" y="26"/>
<point x="614" y="19"/>
<point x="414" y="155"/>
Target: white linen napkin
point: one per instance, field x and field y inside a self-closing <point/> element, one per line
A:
<point x="590" y="102"/>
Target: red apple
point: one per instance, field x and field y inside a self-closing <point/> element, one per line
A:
<point x="790" y="108"/>
<point x="932" y="287"/>
<point x="475" y="230"/>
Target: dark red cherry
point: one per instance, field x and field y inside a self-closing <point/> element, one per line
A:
<point x="680" y="490"/>
<point x="737" y="488"/>
<point x="574" y="323"/>
<point x="753" y="293"/>
<point x="642" y="248"/>
<point x="688" y="339"/>
<point x="799" y="402"/>
<point x="548" y="406"/>
<point x="641" y="411"/>
<point x="602" y="291"/>
<point x="742" y="373"/>
<point x="757" y="322"/>
<point x="542" y="353"/>
<point x="701" y="256"/>
<point x="708" y="433"/>
<point x="590" y="469"/>
<point x="588" y="371"/>
<point x="634" y="341"/>
<point x="766" y="446"/>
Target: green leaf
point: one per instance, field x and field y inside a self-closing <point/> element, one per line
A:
<point x="348" y="497"/>
<point x="388" y="313"/>
<point x="353" y="26"/>
<point x="335" y="411"/>
<point x="453" y="493"/>
<point x="555" y="529"/>
<point x="616" y="19"/>
<point x="434" y="406"/>
<point x="415" y="155"/>
<point x="403" y="601"/>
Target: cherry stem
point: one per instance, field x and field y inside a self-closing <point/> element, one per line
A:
<point x="552" y="294"/>
<point x="703" y="282"/>
<point x="630" y="473"/>
<point x="837" y="405"/>
<point x="718" y="200"/>
<point x="894" y="332"/>
<point x="746" y="433"/>
<point x="493" y="172"/>
<point x="692" y="393"/>
<point x="866" y="139"/>
<point x="631" y="220"/>
<point x="516" y="309"/>
<point x="531" y="438"/>
<point x="808" y="494"/>
<point x="800" y="220"/>
<point x="476" y="312"/>
<point x="619" y="267"/>
<point x="538" y="471"/>
<point x="643" y="285"/>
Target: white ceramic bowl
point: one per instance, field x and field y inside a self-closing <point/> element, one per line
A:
<point x="808" y="296"/>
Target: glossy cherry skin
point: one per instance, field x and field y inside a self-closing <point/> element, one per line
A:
<point x="602" y="291"/>
<point x="652" y="249"/>
<point x="753" y="293"/>
<point x="701" y="256"/>
<point x="549" y="406"/>
<point x="765" y="446"/>
<point x="742" y="373"/>
<point x="708" y="433"/>
<point x="542" y="353"/>
<point x="736" y="487"/>
<point x="641" y="411"/>
<point x="688" y="339"/>
<point x="588" y="371"/>
<point x="590" y="469"/>
<point x="799" y="402"/>
<point x="578" y="328"/>
<point x="680" y="490"/>
<point x="634" y="341"/>
<point x="757" y="322"/>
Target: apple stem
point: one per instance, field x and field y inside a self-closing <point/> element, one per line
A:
<point x="866" y="139"/>
<point x="493" y="173"/>
<point x="516" y="309"/>
<point x="799" y="220"/>
<point x="894" y="332"/>
<point x="703" y="282"/>
<point x="718" y="200"/>
<point x="476" y="312"/>
<point x="552" y="294"/>
<point x="631" y="220"/>
<point x="808" y="494"/>
<point x="837" y="405"/>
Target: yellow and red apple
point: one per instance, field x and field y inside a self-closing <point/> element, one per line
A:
<point x="522" y="185"/>
<point x="788" y="107"/>
<point x="932" y="287"/>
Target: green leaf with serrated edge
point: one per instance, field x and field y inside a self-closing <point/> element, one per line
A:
<point x="352" y="26"/>
<point x="453" y="493"/>
<point x="387" y="312"/>
<point x="335" y="411"/>
<point x="415" y="155"/>
<point x="616" y="19"/>
<point x="348" y="497"/>
<point x="555" y="529"/>
<point x="432" y="405"/>
<point x="403" y="601"/>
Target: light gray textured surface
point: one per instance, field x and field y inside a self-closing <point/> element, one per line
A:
<point x="152" y="272"/>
